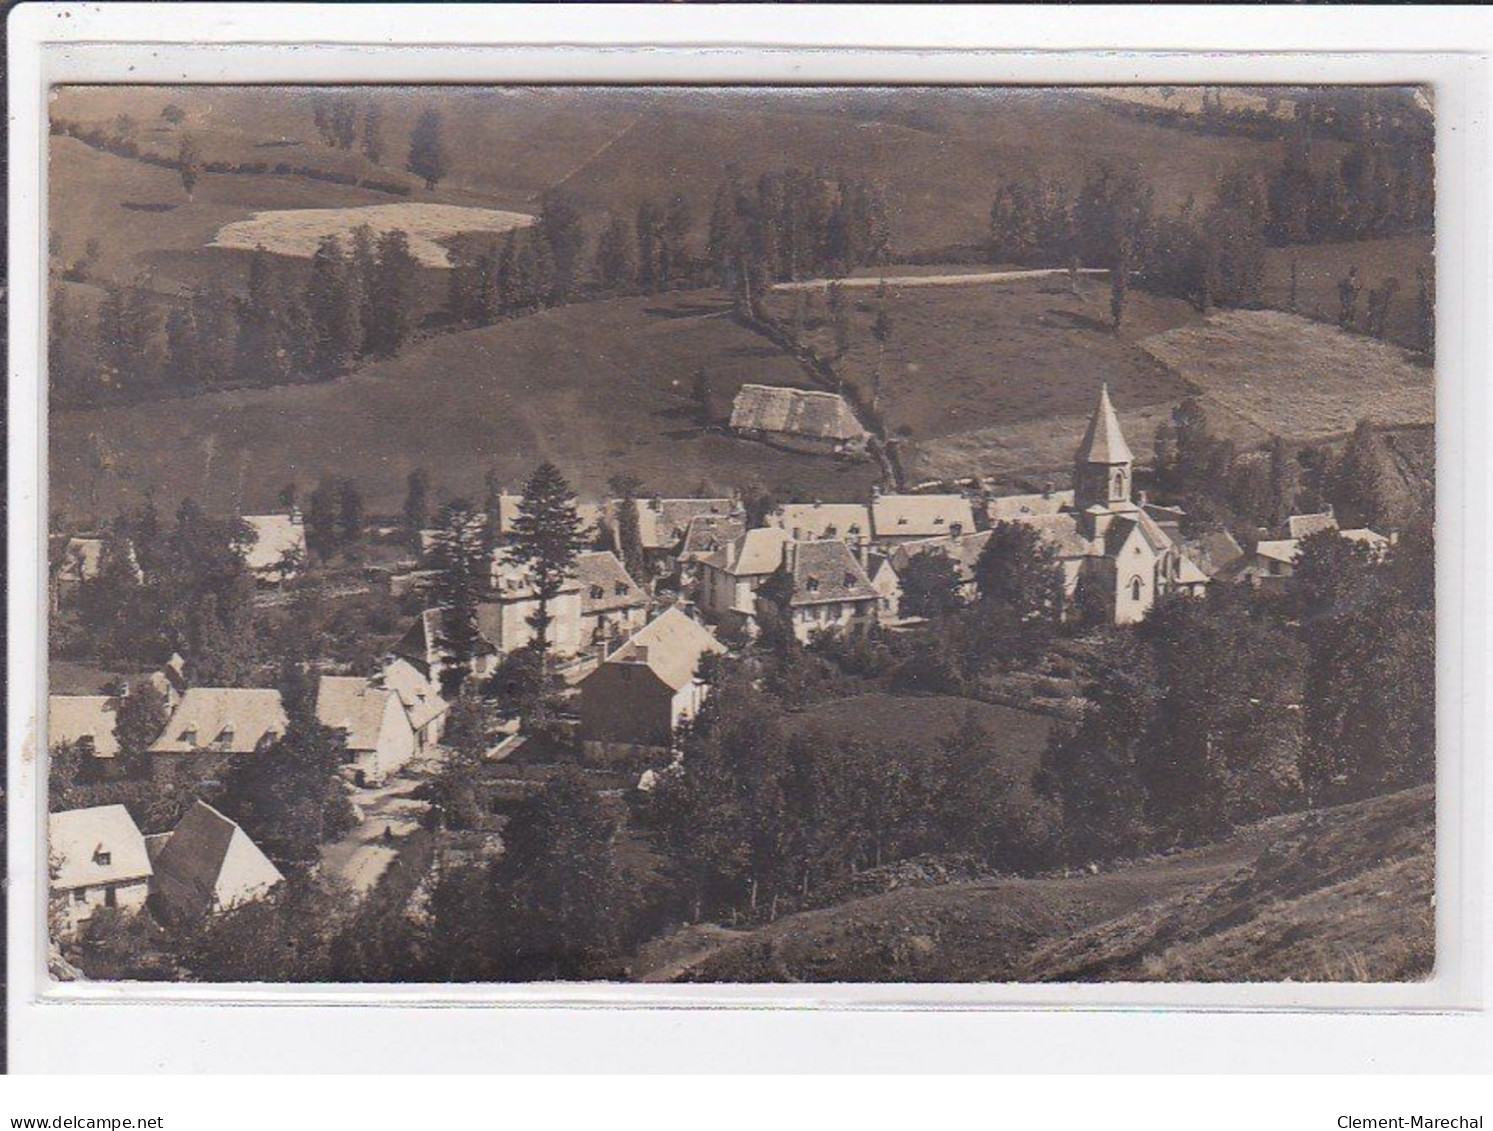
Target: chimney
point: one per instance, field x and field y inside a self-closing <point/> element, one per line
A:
<point x="639" y="654"/>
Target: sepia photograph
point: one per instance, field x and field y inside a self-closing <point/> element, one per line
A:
<point x="715" y="535"/>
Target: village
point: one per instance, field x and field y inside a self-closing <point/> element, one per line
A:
<point x="587" y="634"/>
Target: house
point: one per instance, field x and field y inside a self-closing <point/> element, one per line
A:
<point x="1216" y="553"/>
<point x="705" y="535"/>
<point x="1010" y="508"/>
<point x="1299" y="526"/>
<point x="633" y="704"/>
<point x="801" y="419"/>
<point x="962" y="549"/>
<point x="814" y="522"/>
<point x="420" y="695"/>
<point x="170" y="681"/>
<point x="888" y="585"/>
<point x="664" y="523"/>
<point x="503" y="619"/>
<point x="730" y="578"/>
<point x="905" y="518"/>
<point x="613" y="605"/>
<point x="277" y="551"/>
<point x="1273" y="563"/>
<point x="828" y="589"/>
<point x="1107" y="545"/>
<point x="79" y="560"/>
<point x="97" y="860"/>
<point x="421" y="647"/>
<point x="207" y="865"/>
<point x="87" y="720"/>
<point x="213" y="725"/>
<point x="380" y="736"/>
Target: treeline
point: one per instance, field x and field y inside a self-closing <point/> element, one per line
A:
<point x="356" y="303"/>
<point x="1215" y="254"/>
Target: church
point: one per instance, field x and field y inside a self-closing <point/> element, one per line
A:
<point x="1112" y="549"/>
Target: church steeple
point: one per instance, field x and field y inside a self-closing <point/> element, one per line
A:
<point x="1102" y="464"/>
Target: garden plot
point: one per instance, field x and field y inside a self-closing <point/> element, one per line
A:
<point x="298" y="231"/>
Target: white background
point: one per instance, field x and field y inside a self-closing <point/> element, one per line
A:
<point x="350" y="1036"/>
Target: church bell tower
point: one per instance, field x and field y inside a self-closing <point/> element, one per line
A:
<point x="1102" y="464"/>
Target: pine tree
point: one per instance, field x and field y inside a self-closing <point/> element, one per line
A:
<point x="183" y="364"/>
<point x="629" y="536"/>
<point x="321" y="519"/>
<point x="416" y="503"/>
<point x="427" y="158"/>
<point x="458" y="556"/>
<point x="390" y="295"/>
<point x="332" y="303"/>
<point x="547" y="536"/>
<point x="261" y="353"/>
<point x="373" y="140"/>
<point x="349" y="512"/>
<point x="188" y="164"/>
<point x="616" y="268"/>
<point x="560" y="227"/>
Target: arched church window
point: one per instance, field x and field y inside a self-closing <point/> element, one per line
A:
<point x="1135" y="588"/>
<point x="1119" y="483"/>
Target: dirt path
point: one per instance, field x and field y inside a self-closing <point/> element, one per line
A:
<point x="934" y="280"/>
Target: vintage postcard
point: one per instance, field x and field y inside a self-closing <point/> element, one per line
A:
<point x="914" y="534"/>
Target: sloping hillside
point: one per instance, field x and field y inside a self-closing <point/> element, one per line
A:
<point x="1338" y="894"/>
<point x="600" y="388"/>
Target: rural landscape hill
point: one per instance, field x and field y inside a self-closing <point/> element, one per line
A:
<point x="1337" y="894"/>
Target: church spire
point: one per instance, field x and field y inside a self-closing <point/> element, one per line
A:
<point x="1101" y="466"/>
<point x="1104" y="442"/>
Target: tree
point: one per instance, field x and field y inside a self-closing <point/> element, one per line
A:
<point x="332" y="301"/>
<point x="183" y="364"/>
<point x="139" y="718"/>
<point x="560" y="227"/>
<point x="1363" y="479"/>
<point x="373" y="140"/>
<point x="173" y="114"/>
<point x="700" y="394"/>
<point x="465" y="740"/>
<point x="188" y="164"/>
<point x="1425" y="311"/>
<point x="458" y="556"/>
<point x="261" y="353"/>
<point x="1019" y="568"/>
<point x="286" y="937"/>
<point x="547" y="537"/>
<point x="416" y="503"/>
<point x="390" y="295"/>
<point x="427" y="158"/>
<point x="559" y="901"/>
<point x="321" y="519"/>
<point x="629" y="534"/>
<point x="349" y="511"/>
<point x="1348" y="290"/>
<point x="616" y="268"/>
<point x="930" y="586"/>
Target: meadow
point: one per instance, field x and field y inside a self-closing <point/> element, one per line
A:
<point x="1320" y="267"/>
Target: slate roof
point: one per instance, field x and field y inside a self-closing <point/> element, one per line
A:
<point x="670" y="645"/>
<point x="1214" y="552"/>
<point x="827" y="571"/>
<point x="1063" y="531"/>
<point x="964" y="551"/>
<point x="1103" y="442"/>
<point x="88" y="847"/>
<point x="71" y="718"/>
<point x="210" y="864"/>
<point x="921" y="516"/>
<point x="708" y="533"/>
<point x="605" y="584"/>
<point x="757" y="552"/>
<point x="812" y="521"/>
<point x="1008" y="508"/>
<point x="227" y="719"/>
<point x="1305" y="525"/>
<point x="353" y="705"/>
<point x="274" y="536"/>
<point x="795" y="412"/>
<point x="1282" y="550"/>
<point x="421" y="697"/>
<point x="663" y="523"/>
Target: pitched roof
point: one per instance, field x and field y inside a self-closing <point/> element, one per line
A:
<point x="420" y="695"/>
<point x="963" y="550"/>
<point x="1009" y="507"/>
<point x="513" y="581"/>
<point x="601" y="571"/>
<point x="1305" y="525"/>
<point x="81" y="558"/>
<point x="227" y="719"/>
<point x="210" y="864"/>
<point x="757" y="552"/>
<point x="508" y="507"/>
<point x="707" y="533"/>
<point x="353" y="705"/>
<point x="1103" y="442"/>
<point x="1278" y="549"/>
<point x="671" y="645"/>
<point x="71" y="718"/>
<point x="827" y="571"/>
<point x="663" y="523"/>
<point x="812" y="521"/>
<point x="94" y="846"/>
<point x="1366" y="537"/>
<point x="1213" y="551"/>
<point x="275" y="535"/>
<point x="921" y="516"/>
<point x="796" y="412"/>
<point x="420" y="642"/>
<point x="1119" y="529"/>
<point x="1063" y="532"/>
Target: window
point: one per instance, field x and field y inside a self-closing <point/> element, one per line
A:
<point x="80" y="895"/>
<point x="103" y="858"/>
<point x="1135" y="588"/>
<point x="621" y="589"/>
<point x="813" y="585"/>
<point x="86" y="746"/>
<point x="110" y="900"/>
<point x="1119" y="483"/>
<point x="597" y="592"/>
<point x="831" y="530"/>
<point x="855" y="528"/>
<point x="956" y="528"/>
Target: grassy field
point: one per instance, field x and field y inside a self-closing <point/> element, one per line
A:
<point x="1337" y="895"/>
<point x="298" y="232"/>
<point x="937" y="153"/>
<point x="1264" y="373"/>
<point x="923" y="719"/>
<point x="1319" y="269"/>
<point x="600" y="388"/>
<point x="1000" y="377"/>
